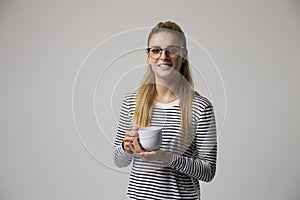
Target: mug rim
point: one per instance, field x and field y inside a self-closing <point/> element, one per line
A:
<point x="151" y="128"/>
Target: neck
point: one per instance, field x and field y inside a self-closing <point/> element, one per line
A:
<point x="166" y="93"/>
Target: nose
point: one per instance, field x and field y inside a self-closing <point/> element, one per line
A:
<point x="164" y="54"/>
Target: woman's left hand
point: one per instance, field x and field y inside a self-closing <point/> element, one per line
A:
<point x="155" y="155"/>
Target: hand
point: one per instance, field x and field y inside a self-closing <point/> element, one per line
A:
<point x="155" y="155"/>
<point x="131" y="141"/>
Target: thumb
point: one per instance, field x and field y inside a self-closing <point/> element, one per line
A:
<point x="135" y="128"/>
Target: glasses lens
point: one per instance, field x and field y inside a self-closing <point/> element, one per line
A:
<point x="173" y="49"/>
<point x="155" y="52"/>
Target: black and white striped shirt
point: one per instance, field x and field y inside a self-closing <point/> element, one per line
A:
<point x="180" y="178"/>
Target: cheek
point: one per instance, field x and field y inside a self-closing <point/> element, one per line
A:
<point x="178" y="62"/>
<point x="149" y="61"/>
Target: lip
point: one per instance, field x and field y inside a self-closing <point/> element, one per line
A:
<point x="168" y="64"/>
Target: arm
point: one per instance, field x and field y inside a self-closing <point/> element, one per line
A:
<point x="203" y="166"/>
<point x="121" y="157"/>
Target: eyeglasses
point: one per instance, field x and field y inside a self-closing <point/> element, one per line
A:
<point x="172" y="51"/>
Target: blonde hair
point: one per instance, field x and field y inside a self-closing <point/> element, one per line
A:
<point x="147" y="91"/>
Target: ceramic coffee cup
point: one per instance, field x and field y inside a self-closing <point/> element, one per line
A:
<point x="150" y="137"/>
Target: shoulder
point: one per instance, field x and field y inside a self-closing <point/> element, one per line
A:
<point x="200" y="103"/>
<point x="130" y="97"/>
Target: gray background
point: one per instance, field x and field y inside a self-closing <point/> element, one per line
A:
<point x="43" y="44"/>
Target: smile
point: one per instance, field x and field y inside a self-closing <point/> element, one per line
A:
<point x="164" y="66"/>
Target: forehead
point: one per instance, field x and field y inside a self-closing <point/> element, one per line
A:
<point x="164" y="39"/>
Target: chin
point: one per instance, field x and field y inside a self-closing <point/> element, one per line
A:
<point x="167" y="74"/>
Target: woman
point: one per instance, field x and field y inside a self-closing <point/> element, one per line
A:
<point x="166" y="99"/>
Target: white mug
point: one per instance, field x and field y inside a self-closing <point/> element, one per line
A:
<point x="150" y="137"/>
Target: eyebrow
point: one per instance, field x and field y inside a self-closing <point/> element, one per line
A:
<point x="155" y="46"/>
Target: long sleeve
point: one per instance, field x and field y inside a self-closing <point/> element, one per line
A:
<point x="178" y="179"/>
<point x="120" y="156"/>
<point x="203" y="165"/>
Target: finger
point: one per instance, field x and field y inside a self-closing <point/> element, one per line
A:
<point x="129" y="144"/>
<point x="128" y="139"/>
<point x="131" y="147"/>
<point x="141" y="156"/>
<point x="145" y="156"/>
<point x="127" y="147"/>
<point x="131" y="134"/>
<point x="149" y="155"/>
<point x="135" y="128"/>
<point x="137" y="146"/>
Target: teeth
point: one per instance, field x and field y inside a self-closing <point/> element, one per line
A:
<point x="163" y="65"/>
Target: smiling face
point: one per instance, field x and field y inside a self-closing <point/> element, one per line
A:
<point x="168" y="64"/>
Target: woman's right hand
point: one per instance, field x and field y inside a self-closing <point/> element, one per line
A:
<point x="131" y="141"/>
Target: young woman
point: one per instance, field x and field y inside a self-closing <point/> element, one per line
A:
<point x="166" y="98"/>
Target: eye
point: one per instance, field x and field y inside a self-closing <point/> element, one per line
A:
<point x="155" y="50"/>
<point x="173" y="49"/>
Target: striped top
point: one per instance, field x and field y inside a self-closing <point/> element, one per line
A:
<point x="180" y="178"/>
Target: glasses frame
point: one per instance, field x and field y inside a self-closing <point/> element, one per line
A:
<point x="166" y="49"/>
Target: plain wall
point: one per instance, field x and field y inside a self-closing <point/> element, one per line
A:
<point x="65" y="66"/>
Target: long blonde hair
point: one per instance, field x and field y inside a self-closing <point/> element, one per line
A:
<point x="147" y="91"/>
